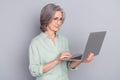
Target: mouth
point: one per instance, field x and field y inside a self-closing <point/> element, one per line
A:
<point x="57" y="27"/>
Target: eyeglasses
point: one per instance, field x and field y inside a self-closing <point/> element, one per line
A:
<point x="56" y="19"/>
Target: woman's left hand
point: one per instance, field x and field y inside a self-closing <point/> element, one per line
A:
<point x="89" y="58"/>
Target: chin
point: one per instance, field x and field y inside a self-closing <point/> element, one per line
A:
<point x="56" y="30"/>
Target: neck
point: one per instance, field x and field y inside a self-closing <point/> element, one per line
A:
<point x="51" y="34"/>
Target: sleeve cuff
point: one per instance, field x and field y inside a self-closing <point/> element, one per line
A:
<point x="41" y="70"/>
<point x="36" y="70"/>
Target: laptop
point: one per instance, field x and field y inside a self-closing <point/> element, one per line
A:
<point x="94" y="43"/>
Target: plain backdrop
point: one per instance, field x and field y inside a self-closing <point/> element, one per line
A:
<point x="19" y="24"/>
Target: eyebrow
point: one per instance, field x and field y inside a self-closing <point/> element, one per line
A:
<point x="57" y="17"/>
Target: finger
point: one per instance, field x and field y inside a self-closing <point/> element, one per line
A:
<point x="91" y="53"/>
<point x="62" y="57"/>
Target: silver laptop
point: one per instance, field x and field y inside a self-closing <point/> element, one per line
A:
<point x="94" y="44"/>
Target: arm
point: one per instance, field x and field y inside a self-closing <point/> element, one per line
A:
<point x="74" y="64"/>
<point x="35" y="63"/>
<point x="58" y="60"/>
<point x="36" y="67"/>
<point x="50" y="65"/>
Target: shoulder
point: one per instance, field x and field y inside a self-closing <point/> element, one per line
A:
<point x="36" y="39"/>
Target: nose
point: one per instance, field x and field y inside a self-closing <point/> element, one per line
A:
<point x="59" y="22"/>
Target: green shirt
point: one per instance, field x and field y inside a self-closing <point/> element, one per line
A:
<point x="41" y="51"/>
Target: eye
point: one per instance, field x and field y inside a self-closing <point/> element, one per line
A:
<point x="56" y="18"/>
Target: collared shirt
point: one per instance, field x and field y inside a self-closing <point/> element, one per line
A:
<point x="41" y="51"/>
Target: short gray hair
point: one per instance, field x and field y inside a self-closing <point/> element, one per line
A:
<point x="47" y="14"/>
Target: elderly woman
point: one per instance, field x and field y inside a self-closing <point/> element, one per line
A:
<point x="48" y="50"/>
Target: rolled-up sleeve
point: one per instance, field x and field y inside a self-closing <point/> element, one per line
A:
<point x="35" y="65"/>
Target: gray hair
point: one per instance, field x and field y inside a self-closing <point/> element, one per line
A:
<point x="47" y="14"/>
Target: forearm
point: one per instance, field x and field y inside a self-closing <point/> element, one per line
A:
<point x="74" y="64"/>
<point x="50" y="65"/>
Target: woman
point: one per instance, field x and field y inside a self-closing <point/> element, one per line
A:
<point x="49" y="49"/>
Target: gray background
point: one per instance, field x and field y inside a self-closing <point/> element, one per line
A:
<point x="19" y="23"/>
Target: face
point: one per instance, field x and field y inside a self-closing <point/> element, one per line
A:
<point x="56" y="22"/>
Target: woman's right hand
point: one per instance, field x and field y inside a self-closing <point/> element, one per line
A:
<point x="65" y="55"/>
